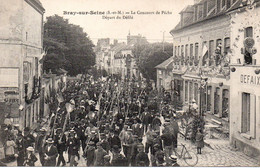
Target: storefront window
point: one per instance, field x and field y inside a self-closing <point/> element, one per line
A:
<point x="190" y="91"/>
<point x="209" y="98"/>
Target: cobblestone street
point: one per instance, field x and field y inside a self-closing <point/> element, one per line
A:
<point x="222" y="155"/>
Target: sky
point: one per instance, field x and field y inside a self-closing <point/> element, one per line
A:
<point x="154" y="26"/>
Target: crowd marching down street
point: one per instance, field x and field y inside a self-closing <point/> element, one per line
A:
<point x="112" y="122"/>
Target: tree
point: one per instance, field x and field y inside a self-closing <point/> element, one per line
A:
<point x="149" y="55"/>
<point x="67" y="47"/>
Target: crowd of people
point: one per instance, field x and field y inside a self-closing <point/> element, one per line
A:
<point x="107" y="121"/>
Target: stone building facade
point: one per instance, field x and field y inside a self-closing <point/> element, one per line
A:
<point x="21" y="40"/>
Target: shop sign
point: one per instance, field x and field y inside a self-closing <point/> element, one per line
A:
<point x="250" y="79"/>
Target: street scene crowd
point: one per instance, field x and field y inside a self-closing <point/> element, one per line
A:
<point x="108" y="122"/>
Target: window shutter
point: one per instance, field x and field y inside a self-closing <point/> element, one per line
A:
<point x="253" y="115"/>
<point x="239" y="115"/>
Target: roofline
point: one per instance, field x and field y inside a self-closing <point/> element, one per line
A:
<point x="36" y="6"/>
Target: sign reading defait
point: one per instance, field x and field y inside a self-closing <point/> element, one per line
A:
<point x="249" y="79"/>
<point x="9" y="77"/>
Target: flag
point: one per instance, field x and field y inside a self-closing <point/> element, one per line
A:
<point x="204" y="53"/>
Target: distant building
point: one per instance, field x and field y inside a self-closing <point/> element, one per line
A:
<point x="21" y="41"/>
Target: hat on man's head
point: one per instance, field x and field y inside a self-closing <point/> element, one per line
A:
<point x="30" y="148"/>
<point x="173" y="158"/>
<point x="49" y="140"/>
<point x="91" y="143"/>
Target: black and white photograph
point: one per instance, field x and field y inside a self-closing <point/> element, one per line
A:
<point x="130" y="83"/>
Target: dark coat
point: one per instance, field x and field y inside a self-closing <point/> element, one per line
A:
<point x="114" y="141"/>
<point x="89" y="153"/>
<point x="73" y="145"/>
<point x="99" y="157"/>
<point x="30" y="160"/>
<point x="199" y="140"/>
<point x="52" y="153"/>
<point x="142" y="158"/>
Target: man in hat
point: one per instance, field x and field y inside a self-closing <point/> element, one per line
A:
<point x="142" y="158"/>
<point x="40" y="145"/>
<point x="51" y="153"/>
<point x="104" y="143"/>
<point x="20" y="149"/>
<point x="167" y="143"/>
<point x="173" y="160"/>
<point x="89" y="153"/>
<point x="146" y="119"/>
<point x="114" y="139"/>
<point x="99" y="155"/>
<point x="30" y="157"/>
<point x="73" y="145"/>
<point x="138" y="128"/>
<point x="29" y="139"/>
<point x="61" y="146"/>
<point x="93" y="137"/>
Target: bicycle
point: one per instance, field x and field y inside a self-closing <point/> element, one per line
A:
<point x="190" y="157"/>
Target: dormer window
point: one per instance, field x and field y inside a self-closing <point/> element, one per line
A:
<point x="218" y="5"/>
<point x="223" y="3"/>
<point x="205" y="9"/>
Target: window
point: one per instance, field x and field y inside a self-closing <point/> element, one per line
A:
<point x="200" y="9"/>
<point x="245" y="123"/>
<point x="218" y="5"/>
<point x="205" y="9"/>
<point x="211" y="48"/>
<point x="186" y="90"/>
<point x="196" y="92"/>
<point x="179" y="51"/>
<point x="225" y="103"/>
<point x="186" y="50"/>
<point x="247" y="54"/>
<point x="216" y="101"/>
<point x="182" y="50"/>
<point x="249" y="32"/>
<point x="196" y="51"/>
<point x="226" y="45"/>
<point x="228" y="4"/>
<point x="191" y="50"/>
<point x="209" y="98"/>
<point x="195" y="13"/>
<point x="190" y="91"/>
<point x="175" y="51"/>
<point x="223" y="3"/>
<point x="36" y="67"/>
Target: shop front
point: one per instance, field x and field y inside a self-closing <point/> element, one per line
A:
<point x="244" y="109"/>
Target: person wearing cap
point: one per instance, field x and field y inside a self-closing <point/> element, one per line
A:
<point x="60" y="143"/>
<point x="138" y="128"/>
<point x="104" y="143"/>
<point x="20" y="149"/>
<point x="30" y="157"/>
<point x="99" y="155"/>
<point x="29" y="139"/>
<point x="114" y="139"/>
<point x="51" y="153"/>
<point x="146" y="119"/>
<point x="93" y="137"/>
<point x="167" y="143"/>
<point x="173" y="160"/>
<point x="142" y="157"/>
<point x="40" y="144"/>
<point x="89" y="153"/>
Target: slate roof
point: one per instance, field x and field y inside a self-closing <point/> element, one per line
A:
<point x="189" y="21"/>
<point x="165" y="64"/>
